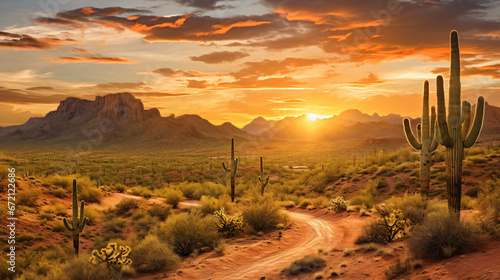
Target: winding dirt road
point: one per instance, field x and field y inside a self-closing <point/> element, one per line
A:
<point x="253" y="257"/>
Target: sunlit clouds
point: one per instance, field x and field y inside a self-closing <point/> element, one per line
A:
<point x="236" y="60"/>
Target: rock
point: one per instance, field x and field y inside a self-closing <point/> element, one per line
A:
<point x="334" y="274"/>
<point x="318" y="276"/>
<point x="262" y="277"/>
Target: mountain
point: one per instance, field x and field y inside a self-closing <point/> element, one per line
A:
<point x="491" y="122"/>
<point x="119" y="118"/>
<point x="258" y="125"/>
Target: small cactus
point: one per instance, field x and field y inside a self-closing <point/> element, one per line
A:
<point x="231" y="168"/>
<point x="425" y="141"/>
<point x="263" y="182"/>
<point x="228" y="225"/>
<point x="112" y="255"/>
<point x="78" y="222"/>
<point x="339" y="204"/>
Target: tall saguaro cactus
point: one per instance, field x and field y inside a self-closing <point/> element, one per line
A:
<point x="232" y="167"/>
<point x="455" y="131"/>
<point x="78" y="222"/>
<point x="425" y="140"/>
<point x="263" y="182"/>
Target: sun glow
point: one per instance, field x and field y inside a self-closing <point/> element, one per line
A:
<point x="314" y="117"/>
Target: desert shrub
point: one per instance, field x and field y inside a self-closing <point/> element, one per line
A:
<point x="489" y="196"/>
<point x="125" y="205"/>
<point x="59" y="192"/>
<point x="413" y="206"/>
<point x="228" y="225"/>
<point x="385" y="229"/>
<point x="441" y="236"/>
<point x="113" y="255"/>
<point x="187" y="233"/>
<point x="306" y="264"/>
<point x="141" y="191"/>
<point x="305" y="203"/>
<point x="478" y="159"/>
<point x="191" y="190"/>
<point x="90" y="194"/>
<point x="399" y="268"/>
<point x="64" y="182"/>
<point x="467" y="203"/>
<point x="472" y="192"/>
<point x="211" y="204"/>
<point x="119" y="188"/>
<point x="92" y="213"/>
<point x="263" y="214"/>
<point x="173" y="197"/>
<point x="144" y="224"/>
<point x="320" y="202"/>
<point x="367" y="196"/>
<point x="488" y="222"/>
<point x="80" y="268"/>
<point x="339" y="204"/>
<point x="160" y="211"/>
<point x="28" y="198"/>
<point x="152" y="255"/>
<point x="58" y="227"/>
<point x="115" y="225"/>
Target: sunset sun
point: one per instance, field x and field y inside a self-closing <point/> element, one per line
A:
<point x="314" y="117"/>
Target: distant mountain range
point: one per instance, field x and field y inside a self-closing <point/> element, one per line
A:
<point x="121" y="118"/>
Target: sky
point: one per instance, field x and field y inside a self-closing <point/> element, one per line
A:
<point x="237" y="60"/>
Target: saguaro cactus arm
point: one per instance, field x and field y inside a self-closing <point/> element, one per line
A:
<point x="410" y="136"/>
<point x="225" y="168"/>
<point x="478" y="124"/>
<point x="466" y="119"/>
<point x="441" y="115"/>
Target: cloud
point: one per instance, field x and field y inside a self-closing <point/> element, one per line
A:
<point x="197" y="84"/>
<point x="219" y="57"/>
<point x="492" y="70"/>
<point x="41" y="88"/>
<point x="12" y="116"/>
<point x="270" y="67"/>
<point x="156" y="94"/>
<point x="113" y="86"/>
<point x="93" y="59"/>
<point x="370" y="80"/>
<point x="23" y="41"/>
<point x="16" y="96"/>
<point x="203" y="4"/>
<point x="169" y="72"/>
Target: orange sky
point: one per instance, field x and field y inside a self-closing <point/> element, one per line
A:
<point x="236" y="60"/>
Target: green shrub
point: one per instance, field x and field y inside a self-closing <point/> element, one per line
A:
<point x="80" y="268"/>
<point x="187" y="233"/>
<point x="152" y="255"/>
<point x="263" y="214"/>
<point x="472" y="192"/>
<point x="160" y="211"/>
<point x="306" y="264"/>
<point x="173" y="197"/>
<point x="126" y="205"/>
<point x="119" y="188"/>
<point x="441" y="236"/>
<point x="385" y="229"/>
<point x="141" y="191"/>
<point x="90" y="194"/>
<point x="305" y="203"/>
<point x="115" y="225"/>
<point x="64" y="182"/>
<point x="28" y="198"/>
<point x="60" y="192"/>
<point x="211" y="204"/>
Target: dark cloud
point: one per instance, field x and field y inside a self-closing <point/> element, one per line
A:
<point x="492" y="70"/>
<point x="111" y="86"/>
<point x="203" y="4"/>
<point x="23" y="41"/>
<point x="219" y="57"/>
<point x="40" y="88"/>
<point x="17" y="96"/>
<point x="169" y="72"/>
<point x="197" y="84"/>
<point x="94" y="59"/>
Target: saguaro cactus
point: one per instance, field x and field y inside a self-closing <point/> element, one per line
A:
<point x="232" y="167"/>
<point x="453" y="135"/>
<point x="78" y="222"/>
<point x="263" y="182"/>
<point x="425" y="140"/>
